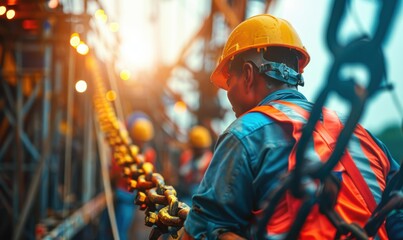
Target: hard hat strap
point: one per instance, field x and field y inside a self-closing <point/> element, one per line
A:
<point x="281" y="72"/>
<point x="275" y="70"/>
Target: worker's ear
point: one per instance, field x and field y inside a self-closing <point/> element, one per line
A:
<point x="248" y="75"/>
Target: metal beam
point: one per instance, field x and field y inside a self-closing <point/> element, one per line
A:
<point x="69" y="227"/>
<point x="229" y="13"/>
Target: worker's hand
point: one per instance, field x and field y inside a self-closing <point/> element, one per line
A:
<point x="186" y="236"/>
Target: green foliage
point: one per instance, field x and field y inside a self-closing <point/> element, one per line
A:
<point x="392" y="136"/>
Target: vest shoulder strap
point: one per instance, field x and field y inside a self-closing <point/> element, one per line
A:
<point x="329" y="129"/>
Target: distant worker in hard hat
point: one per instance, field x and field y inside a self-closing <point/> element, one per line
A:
<point x="193" y="162"/>
<point x="261" y="69"/>
<point x="142" y="134"/>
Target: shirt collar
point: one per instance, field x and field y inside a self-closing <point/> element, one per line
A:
<point x="284" y="94"/>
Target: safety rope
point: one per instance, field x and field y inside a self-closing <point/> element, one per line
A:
<point x="164" y="212"/>
<point x="366" y="51"/>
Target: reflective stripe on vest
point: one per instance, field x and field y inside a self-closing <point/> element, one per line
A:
<point x="362" y="152"/>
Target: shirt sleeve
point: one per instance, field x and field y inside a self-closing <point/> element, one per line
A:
<point x="223" y="202"/>
<point x="394" y="221"/>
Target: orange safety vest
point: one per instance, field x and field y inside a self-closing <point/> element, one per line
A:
<point x="192" y="170"/>
<point x="362" y="158"/>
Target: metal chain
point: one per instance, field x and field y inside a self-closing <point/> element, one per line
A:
<point x="366" y="51"/>
<point x="164" y="212"/>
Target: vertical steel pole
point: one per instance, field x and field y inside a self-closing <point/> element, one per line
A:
<point x="45" y="128"/>
<point x="18" y="176"/>
<point x="89" y="164"/>
<point x="69" y="133"/>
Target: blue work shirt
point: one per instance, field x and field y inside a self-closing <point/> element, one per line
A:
<point x="248" y="159"/>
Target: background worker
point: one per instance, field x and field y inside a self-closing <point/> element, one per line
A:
<point x="193" y="162"/>
<point x="261" y="65"/>
<point x="141" y="130"/>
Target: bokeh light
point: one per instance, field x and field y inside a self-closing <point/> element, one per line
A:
<point x="3" y="10"/>
<point x="114" y="26"/>
<point x="75" y="39"/>
<point x="10" y="14"/>
<point x="125" y="75"/>
<point x="100" y="15"/>
<point x="180" y="107"/>
<point x="53" y="4"/>
<point x="81" y="86"/>
<point x="82" y="48"/>
<point x="110" y="95"/>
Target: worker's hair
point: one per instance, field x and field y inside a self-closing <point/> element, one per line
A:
<point x="284" y="55"/>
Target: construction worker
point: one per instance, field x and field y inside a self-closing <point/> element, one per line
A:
<point x="260" y="68"/>
<point x="193" y="162"/>
<point x="142" y="133"/>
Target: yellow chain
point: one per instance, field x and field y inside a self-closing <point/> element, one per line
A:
<point x="163" y="210"/>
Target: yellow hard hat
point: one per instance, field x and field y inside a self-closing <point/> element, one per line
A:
<point x="199" y="137"/>
<point x="142" y="130"/>
<point x="258" y="32"/>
